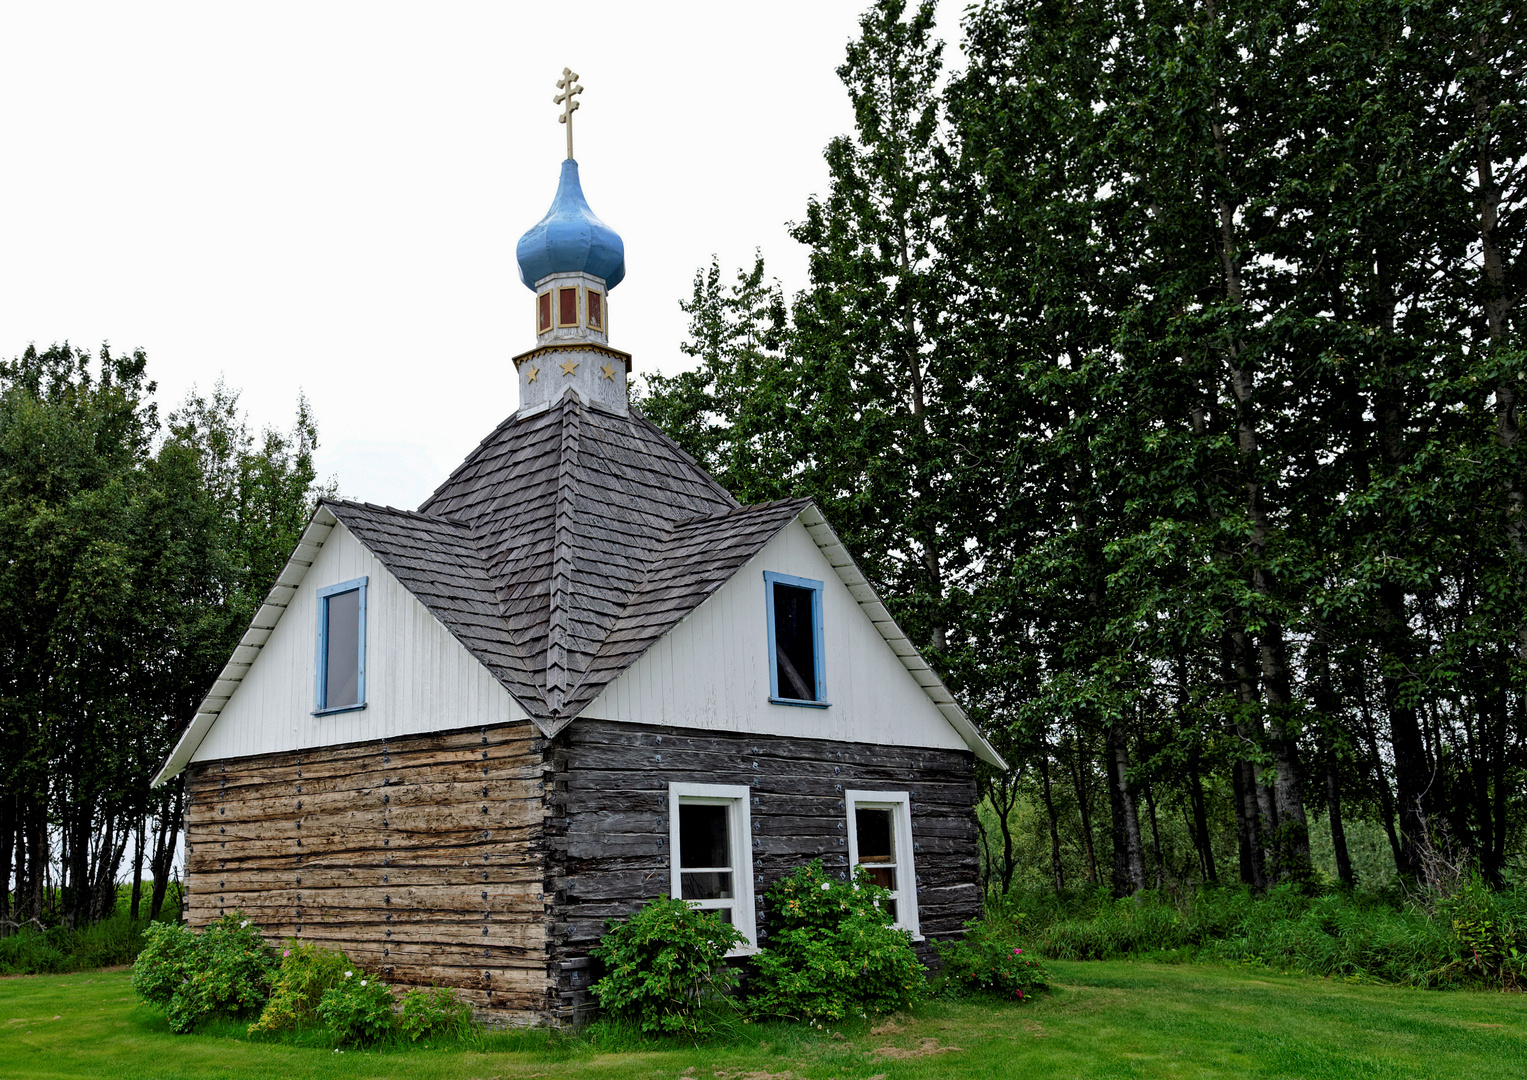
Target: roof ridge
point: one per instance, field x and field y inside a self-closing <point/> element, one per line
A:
<point x="559" y="588"/>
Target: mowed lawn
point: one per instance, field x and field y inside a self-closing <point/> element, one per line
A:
<point x="1115" y="1019"/>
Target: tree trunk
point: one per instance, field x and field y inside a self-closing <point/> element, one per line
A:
<point x="1201" y="819"/>
<point x="1057" y="872"/>
<point x="137" y="866"/>
<point x="1128" y="851"/>
<point x="172" y="811"/>
<point x="1333" y="812"/>
<point x="1084" y="808"/>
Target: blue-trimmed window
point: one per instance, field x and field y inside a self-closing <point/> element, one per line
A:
<point x="342" y="647"/>
<point x="797" y="664"/>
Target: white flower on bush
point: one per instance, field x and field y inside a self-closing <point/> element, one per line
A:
<point x="826" y="885"/>
<point x="876" y="902"/>
<point x="243" y="924"/>
<point x="348" y="974"/>
<point x="363" y="982"/>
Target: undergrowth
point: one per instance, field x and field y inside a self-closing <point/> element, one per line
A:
<point x="59" y="950"/>
<point x="1476" y="938"/>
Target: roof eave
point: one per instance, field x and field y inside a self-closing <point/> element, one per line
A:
<point x="320" y="525"/>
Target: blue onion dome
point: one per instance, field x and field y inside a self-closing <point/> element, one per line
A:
<point x="570" y="239"/>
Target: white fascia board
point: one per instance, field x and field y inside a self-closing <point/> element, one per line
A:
<point x="227" y="683"/>
<point x="861" y="590"/>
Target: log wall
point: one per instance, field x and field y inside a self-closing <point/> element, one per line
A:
<point x="420" y="856"/>
<point x="608" y="833"/>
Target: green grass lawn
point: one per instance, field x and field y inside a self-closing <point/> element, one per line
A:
<point x="1104" y="1019"/>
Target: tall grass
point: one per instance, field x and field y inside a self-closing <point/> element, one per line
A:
<point x="1335" y="934"/>
<point x="57" y="950"/>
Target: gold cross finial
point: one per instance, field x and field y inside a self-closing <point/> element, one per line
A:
<point x="568" y="84"/>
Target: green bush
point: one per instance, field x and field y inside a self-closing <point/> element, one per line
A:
<point x="1490" y="934"/>
<point x="358" y="1011"/>
<point x="433" y="1012"/>
<point x="831" y="951"/>
<point x="990" y="960"/>
<point x="225" y="971"/>
<point x="306" y="971"/>
<point x="663" y="963"/>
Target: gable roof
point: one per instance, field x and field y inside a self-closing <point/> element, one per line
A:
<point x="567" y="543"/>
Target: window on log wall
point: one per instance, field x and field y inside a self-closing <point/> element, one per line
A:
<point x="797" y="667"/>
<point x="709" y="827"/>
<point x="342" y="647"/>
<point x="880" y="840"/>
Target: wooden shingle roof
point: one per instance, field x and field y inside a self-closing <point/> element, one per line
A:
<point x="564" y="546"/>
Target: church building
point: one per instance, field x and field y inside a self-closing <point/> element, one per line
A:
<point x="454" y="741"/>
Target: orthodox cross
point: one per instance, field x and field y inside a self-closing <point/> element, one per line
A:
<point x="568" y="84"/>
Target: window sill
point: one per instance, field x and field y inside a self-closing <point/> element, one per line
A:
<point x="742" y="951"/>
<point x="339" y="709"/>
<point x="802" y="704"/>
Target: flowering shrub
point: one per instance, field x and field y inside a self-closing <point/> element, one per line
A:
<point x="832" y="949"/>
<point x="358" y="1010"/>
<point x="306" y="971"/>
<point x="987" y="959"/>
<point x="662" y="963"/>
<point x="225" y="971"/>
<point x="436" y="1011"/>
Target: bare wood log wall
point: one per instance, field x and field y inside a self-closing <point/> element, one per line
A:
<point x="421" y="857"/>
<point x="608" y="822"/>
<point x="489" y="859"/>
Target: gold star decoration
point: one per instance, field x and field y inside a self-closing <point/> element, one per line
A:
<point x="530" y="376"/>
<point x="609" y="372"/>
<point x="569" y="366"/>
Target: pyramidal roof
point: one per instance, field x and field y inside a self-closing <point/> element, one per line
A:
<point x="564" y="546"/>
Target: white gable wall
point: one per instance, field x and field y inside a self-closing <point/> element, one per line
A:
<point x="711" y="670"/>
<point x="418" y="677"/>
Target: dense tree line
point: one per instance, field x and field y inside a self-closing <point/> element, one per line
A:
<point x="132" y="555"/>
<point x="1162" y="368"/>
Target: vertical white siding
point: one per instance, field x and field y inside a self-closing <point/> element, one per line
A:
<point x="418" y="677"/>
<point x="711" y="671"/>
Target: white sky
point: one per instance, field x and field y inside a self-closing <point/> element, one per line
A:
<point x="325" y="197"/>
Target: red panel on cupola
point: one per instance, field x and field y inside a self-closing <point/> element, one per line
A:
<point x="543" y="313"/>
<point x="596" y="311"/>
<point x="567" y="307"/>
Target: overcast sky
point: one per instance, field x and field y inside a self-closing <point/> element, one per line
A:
<point x="325" y="197"/>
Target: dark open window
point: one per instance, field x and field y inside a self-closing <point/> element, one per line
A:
<point x="880" y="844"/>
<point x="712" y="867"/>
<point x="796" y="664"/>
<point x="342" y="646"/>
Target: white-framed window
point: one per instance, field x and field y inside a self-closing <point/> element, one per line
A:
<point x="341" y="647"/>
<point x="880" y="840"/>
<point x="711" y="864"/>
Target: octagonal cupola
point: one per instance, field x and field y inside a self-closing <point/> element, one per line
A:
<point x="571" y="260"/>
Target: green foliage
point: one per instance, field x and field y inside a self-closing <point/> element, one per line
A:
<point x="831" y="951"/>
<point x="988" y="959"/>
<point x="1490" y="934"/>
<point x="306" y="971"/>
<point x="432" y="1012"/>
<point x="224" y="971"/>
<point x="663" y="964"/>
<point x="1472" y="939"/>
<point x="115" y="940"/>
<point x="359" y="1011"/>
